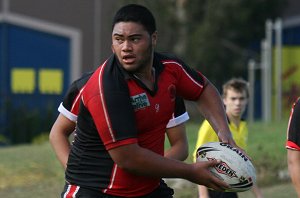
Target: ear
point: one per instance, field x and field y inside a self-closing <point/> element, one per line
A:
<point x="112" y="48"/>
<point x="154" y="38"/>
<point x="224" y="101"/>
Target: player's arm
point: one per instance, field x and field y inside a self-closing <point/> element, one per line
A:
<point x="203" y="191"/>
<point x="176" y="132"/>
<point x="140" y="161"/>
<point x="212" y="108"/>
<point x="59" y="138"/>
<point x="209" y="102"/>
<point x="178" y="141"/>
<point x="294" y="168"/>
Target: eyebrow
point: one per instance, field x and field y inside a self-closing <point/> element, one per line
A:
<point x="132" y="35"/>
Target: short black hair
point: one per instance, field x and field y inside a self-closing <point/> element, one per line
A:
<point x="136" y="13"/>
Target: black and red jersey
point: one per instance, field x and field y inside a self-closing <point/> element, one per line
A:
<point x="117" y="109"/>
<point x="70" y="105"/>
<point x="293" y="131"/>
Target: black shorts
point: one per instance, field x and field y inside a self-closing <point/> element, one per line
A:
<point x="216" y="194"/>
<point x="73" y="191"/>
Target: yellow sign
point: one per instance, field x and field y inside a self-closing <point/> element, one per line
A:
<point x="50" y="81"/>
<point x="290" y="75"/>
<point x="22" y="80"/>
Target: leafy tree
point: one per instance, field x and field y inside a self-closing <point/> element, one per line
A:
<point x="221" y="33"/>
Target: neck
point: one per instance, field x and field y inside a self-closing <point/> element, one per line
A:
<point x="234" y="119"/>
<point x="146" y="74"/>
<point x="148" y="78"/>
<point x="146" y="70"/>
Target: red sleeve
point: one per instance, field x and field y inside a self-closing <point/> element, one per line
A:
<point x="189" y="82"/>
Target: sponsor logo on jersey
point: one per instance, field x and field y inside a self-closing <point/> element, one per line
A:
<point x="140" y="101"/>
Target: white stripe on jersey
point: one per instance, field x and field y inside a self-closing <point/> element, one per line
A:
<point x="103" y="103"/>
<point x="113" y="177"/>
<point x="176" y="63"/>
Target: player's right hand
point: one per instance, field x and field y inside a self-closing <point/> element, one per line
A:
<point x="203" y="176"/>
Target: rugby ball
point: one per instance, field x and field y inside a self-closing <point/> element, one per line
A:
<point x="235" y="168"/>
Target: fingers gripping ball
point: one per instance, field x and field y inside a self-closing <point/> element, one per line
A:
<point x="235" y="169"/>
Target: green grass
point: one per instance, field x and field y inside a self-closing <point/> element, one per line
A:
<point x="33" y="170"/>
<point x="267" y="149"/>
<point x="282" y="190"/>
<point x="30" y="171"/>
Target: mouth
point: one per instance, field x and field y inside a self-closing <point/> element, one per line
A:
<point x="128" y="59"/>
<point x="237" y="110"/>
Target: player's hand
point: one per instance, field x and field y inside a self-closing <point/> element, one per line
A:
<point x="227" y="138"/>
<point x="204" y="177"/>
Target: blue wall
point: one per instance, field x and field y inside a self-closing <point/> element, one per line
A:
<point x="35" y="73"/>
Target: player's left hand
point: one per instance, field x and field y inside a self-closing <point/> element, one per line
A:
<point x="227" y="138"/>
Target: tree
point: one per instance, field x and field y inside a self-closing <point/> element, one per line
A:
<point x="221" y="33"/>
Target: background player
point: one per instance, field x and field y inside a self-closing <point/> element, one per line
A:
<point x="235" y="98"/>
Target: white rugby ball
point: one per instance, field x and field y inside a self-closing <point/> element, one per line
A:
<point x="235" y="169"/>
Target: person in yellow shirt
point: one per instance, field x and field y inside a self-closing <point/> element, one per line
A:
<point x="235" y="98"/>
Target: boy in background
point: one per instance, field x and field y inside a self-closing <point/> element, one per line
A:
<point x="235" y="98"/>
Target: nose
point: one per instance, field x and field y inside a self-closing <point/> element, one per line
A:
<point x="127" y="46"/>
<point x="237" y="102"/>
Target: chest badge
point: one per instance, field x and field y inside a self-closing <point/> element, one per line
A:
<point x="140" y="101"/>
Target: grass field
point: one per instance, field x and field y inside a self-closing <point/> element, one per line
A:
<point x="33" y="171"/>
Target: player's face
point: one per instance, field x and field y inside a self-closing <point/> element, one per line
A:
<point x="133" y="46"/>
<point x="235" y="102"/>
